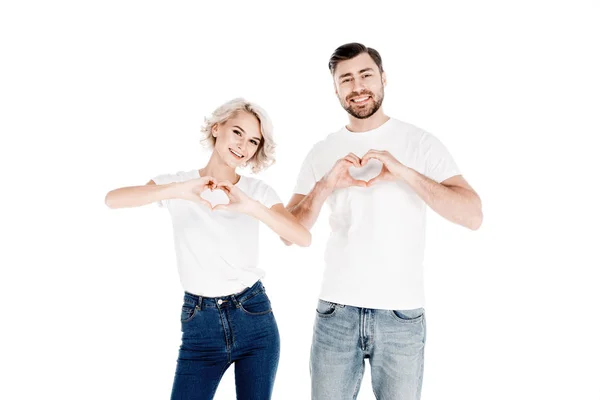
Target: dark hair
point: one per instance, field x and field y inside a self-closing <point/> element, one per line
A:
<point x="351" y="50"/>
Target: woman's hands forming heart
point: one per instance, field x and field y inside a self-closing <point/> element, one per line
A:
<point x="238" y="200"/>
<point x="193" y="188"/>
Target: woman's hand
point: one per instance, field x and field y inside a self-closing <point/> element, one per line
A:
<point x="238" y="200"/>
<point x="191" y="189"/>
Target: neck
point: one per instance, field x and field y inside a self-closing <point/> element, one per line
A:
<point x="218" y="169"/>
<point x="367" y="124"/>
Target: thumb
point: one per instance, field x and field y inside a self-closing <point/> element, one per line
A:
<point x="356" y="182"/>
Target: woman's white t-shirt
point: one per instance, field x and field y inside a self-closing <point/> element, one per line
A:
<point x="217" y="251"/>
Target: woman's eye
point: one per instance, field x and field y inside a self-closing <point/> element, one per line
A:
<point x="238" y="133"/>
<point x="254" y="142"/>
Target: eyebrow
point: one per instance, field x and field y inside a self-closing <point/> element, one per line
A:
<point x="240" y="128"/>
<point x="359" y="72"/>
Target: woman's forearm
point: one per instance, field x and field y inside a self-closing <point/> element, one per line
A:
<point x="282" y="223"/>
<point x="135" y="196"/>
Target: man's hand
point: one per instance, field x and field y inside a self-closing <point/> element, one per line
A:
<point x="339" y="177"/>
<point x="391" y="170"/>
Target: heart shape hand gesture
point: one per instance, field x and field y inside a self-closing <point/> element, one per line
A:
<point x="391" y="169"/>
<point x="192" y="190"/>
<point x="341" y="177"/>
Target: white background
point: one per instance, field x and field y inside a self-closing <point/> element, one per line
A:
<point x="98" y="95"/>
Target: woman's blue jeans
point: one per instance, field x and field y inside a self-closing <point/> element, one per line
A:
<point x="237" y="329"/>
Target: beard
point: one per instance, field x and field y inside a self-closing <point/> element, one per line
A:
<point x="362" y="111"/>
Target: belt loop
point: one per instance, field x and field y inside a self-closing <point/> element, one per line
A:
<point x="199" y="303"/>
<point x="235" y="301"/>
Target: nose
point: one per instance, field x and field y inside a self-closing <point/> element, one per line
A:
<point x="358" y="85"/>
<point x="240" y="145"/>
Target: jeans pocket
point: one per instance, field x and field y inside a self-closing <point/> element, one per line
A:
<point x="258" y="304"/>
<point x="414" y="315"/>
<point x="326" y="309"/>
<point x="188" y="312"/>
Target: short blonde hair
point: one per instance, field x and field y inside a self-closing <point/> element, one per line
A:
<point x="265" y="155"/>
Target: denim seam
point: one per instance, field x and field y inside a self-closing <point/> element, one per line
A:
<point x="407" y="321"/>
<point x="255" y="314"/>
<point x="331" y="314"/>
<point x="225" y="336"/>
<point x="196" y="309"/>
<point x="359" y="380"/>
<point x="249" y="296"/>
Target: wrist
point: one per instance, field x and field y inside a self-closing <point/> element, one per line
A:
<point x="254" y="208"/>
<point x="406" y="174"/>
<point x="173" y="190"/>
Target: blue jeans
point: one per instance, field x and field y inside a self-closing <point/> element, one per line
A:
<point x="344" y="336"/>
<point x="221" y="331"/>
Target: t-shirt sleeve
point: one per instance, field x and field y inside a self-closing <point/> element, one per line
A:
<point x="168" y="178"/>
<point x="439" y="164"/>
<point x="307" y="177"/>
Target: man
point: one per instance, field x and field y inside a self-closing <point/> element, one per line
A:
<point x="377" y="174"/>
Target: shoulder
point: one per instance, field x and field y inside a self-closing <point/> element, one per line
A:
<point x="412" y="131"/>
<point x="179" y="176"/>
<point x="253" y="184"/>
<point x="324" y="145"/>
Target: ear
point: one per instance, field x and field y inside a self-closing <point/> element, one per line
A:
<point x="215" y="130"/>
<point x="383" y="79"/>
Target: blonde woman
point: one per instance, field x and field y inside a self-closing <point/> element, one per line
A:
<point x="226" y="316"/>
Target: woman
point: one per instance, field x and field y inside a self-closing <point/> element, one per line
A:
<point x="226" y="316"/>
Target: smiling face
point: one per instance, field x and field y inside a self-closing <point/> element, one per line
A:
<point x="359" y="85"/>
<point x="238" y="138"/>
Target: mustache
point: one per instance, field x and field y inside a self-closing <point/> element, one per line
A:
<point x="357" y="94"/>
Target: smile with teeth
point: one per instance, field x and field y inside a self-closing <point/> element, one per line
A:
<point x="361" y="99"/>
<point x="238" y="155"/>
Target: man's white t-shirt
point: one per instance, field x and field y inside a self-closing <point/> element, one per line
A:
<point x="217" y="251"/>
<point x="374" y="256"/>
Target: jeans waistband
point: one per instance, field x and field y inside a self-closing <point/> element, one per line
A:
<point x="194" y="300"/>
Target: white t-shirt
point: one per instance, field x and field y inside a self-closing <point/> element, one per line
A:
<point x="217" y="251"/>
<point x="374" y="256"/>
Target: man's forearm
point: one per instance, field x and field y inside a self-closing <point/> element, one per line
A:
<point x="307" y="210"/>
<point x="454" y="203"/>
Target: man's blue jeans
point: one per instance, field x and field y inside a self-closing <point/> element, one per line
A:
<point x="239" y="329"/>
<point x="344" y="336"/>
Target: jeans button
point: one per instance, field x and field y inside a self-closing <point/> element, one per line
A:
<point x="219" y="302"/>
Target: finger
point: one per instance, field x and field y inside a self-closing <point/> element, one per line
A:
<point x="378" y="178"/>
<point x="353" y="161"/>
<point x="208" y="179"/>
<point x="353" y="158"/>
<point x="225" y="184"/>
<point x="220" y="207"/>
<point x="206" y="203"/>
<point x="371" y="154"/>
<point x="359" y="183"/>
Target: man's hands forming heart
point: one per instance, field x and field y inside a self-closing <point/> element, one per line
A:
<point x="339" y="177"/>
<point x="391" y="170"/>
